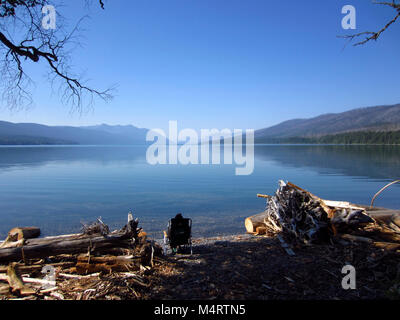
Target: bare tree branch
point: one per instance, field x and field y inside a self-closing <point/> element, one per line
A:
<point x="369" y="35"/>
<point x="31" y="42"/>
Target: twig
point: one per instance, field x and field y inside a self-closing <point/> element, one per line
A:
<point x="375" y="35"/>
<point x="380" y="191"/>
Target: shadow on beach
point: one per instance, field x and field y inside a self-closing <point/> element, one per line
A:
<point x="245" y="267"/>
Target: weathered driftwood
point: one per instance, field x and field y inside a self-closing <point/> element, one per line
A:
<point x="297" y="213"/>
<point x="16" y="283"/>
<point x="24" y="233"/>
<point x="47" y="247"/>
<point x="48" y="290"/>
<point x="4" y="288"/>
<point x="38" y="268"/>
<point x="261" y="231"/>
<point x="383" y="189"/>
<point x="17" y="236"/>
<point x="147" y="253"/>
<point x="351" y="237"/>
<point x="12" y="244"/>
<point x="387" y="234"/>
<point x="384" y="219"/>
<point x="390" y="222"/>
<point x="25" y="281"/>
<point x="44" y="248"/>
<point x="108" y="264"/>
<point x="396" y="220"/>
<point x="389" y="246"/>
<point x="106" y="259"/>
<point x="77" y="276"/>
<point x="88" y="268"/>
<point x="30" y="280"/>
<point x="253" y="222"/>
<point x="302" y="216"/>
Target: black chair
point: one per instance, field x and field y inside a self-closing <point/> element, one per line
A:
<point x="179" y="234"/>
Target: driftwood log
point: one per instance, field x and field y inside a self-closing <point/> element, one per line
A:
<point x="42" y="248"/>
<point x="396" y="220"/>
<point x="72" y="244"/>
<point x="107" y="264"/>
<point x="254" y="222"/>
<point x="17" y="236"/>
<point x="300" y="216"/>
<point x="39" y="267"/>
<point x="24" y="233"/>
<point x="389" y="246"/>
<point x="15" y="281"/>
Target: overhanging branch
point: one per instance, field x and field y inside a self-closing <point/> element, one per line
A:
<point x="38" y="44"/>
<point x="375" y="35"/>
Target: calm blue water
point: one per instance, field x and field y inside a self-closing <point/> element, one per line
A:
<point x="57" y="188"/>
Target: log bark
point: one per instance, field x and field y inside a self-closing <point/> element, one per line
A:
<point x="396" y="220"/>
<point x="24" y="233"/>
<point x="76" y="276"/>
<point x="12" y="244"/>
<point x="351" y="237"/>
<point x="89" y="268"/>
<point x="387" y="245"/>
<point x="254" y="222"/>
<point x="38" y="268"/>
<point x="261" y="231"/>
<point x="31" y="280"/>
<point x="106" y="259"/>
<point x="88" y="265"/>
<point x="15" y="282"/>
<point x="72" y="244"/>
<point x="4" y="289"/>
<point x="388" y="235"/>
<point x="17" y="236"/>
<point x="42" y="248"/>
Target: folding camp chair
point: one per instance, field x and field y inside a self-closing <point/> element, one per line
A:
<point x="179" y="234"/>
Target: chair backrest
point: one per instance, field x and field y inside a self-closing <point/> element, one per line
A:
<point x="180" y="230"/>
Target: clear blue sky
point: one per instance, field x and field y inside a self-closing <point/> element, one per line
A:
<point x="224" y="63"/>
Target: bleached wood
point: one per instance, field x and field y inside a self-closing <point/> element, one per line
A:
<point x="253" y="222"/>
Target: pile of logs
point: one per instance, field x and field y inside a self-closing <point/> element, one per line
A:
<point x="30" y="266"/>
<point x="298" y="216"/>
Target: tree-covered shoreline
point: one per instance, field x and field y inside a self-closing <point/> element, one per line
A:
<point x="357" y="137"/>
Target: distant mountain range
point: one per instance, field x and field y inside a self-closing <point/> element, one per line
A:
<point x="379" y="124"/>
<point x="31" y="133"/>
<point x="371" y="119"/>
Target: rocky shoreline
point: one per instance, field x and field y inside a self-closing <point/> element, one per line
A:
<point x="238" y="267"/>
<point x="241" y="267"/>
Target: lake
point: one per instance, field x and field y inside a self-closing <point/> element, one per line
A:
<point x="58" y="187"/>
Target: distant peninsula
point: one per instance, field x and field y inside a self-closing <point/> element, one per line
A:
<point x="371" y="125"/>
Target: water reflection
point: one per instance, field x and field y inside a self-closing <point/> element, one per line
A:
<point x="57" y="187"/>
<point x="41" y="155"/>
<point x="372" y="162"/>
